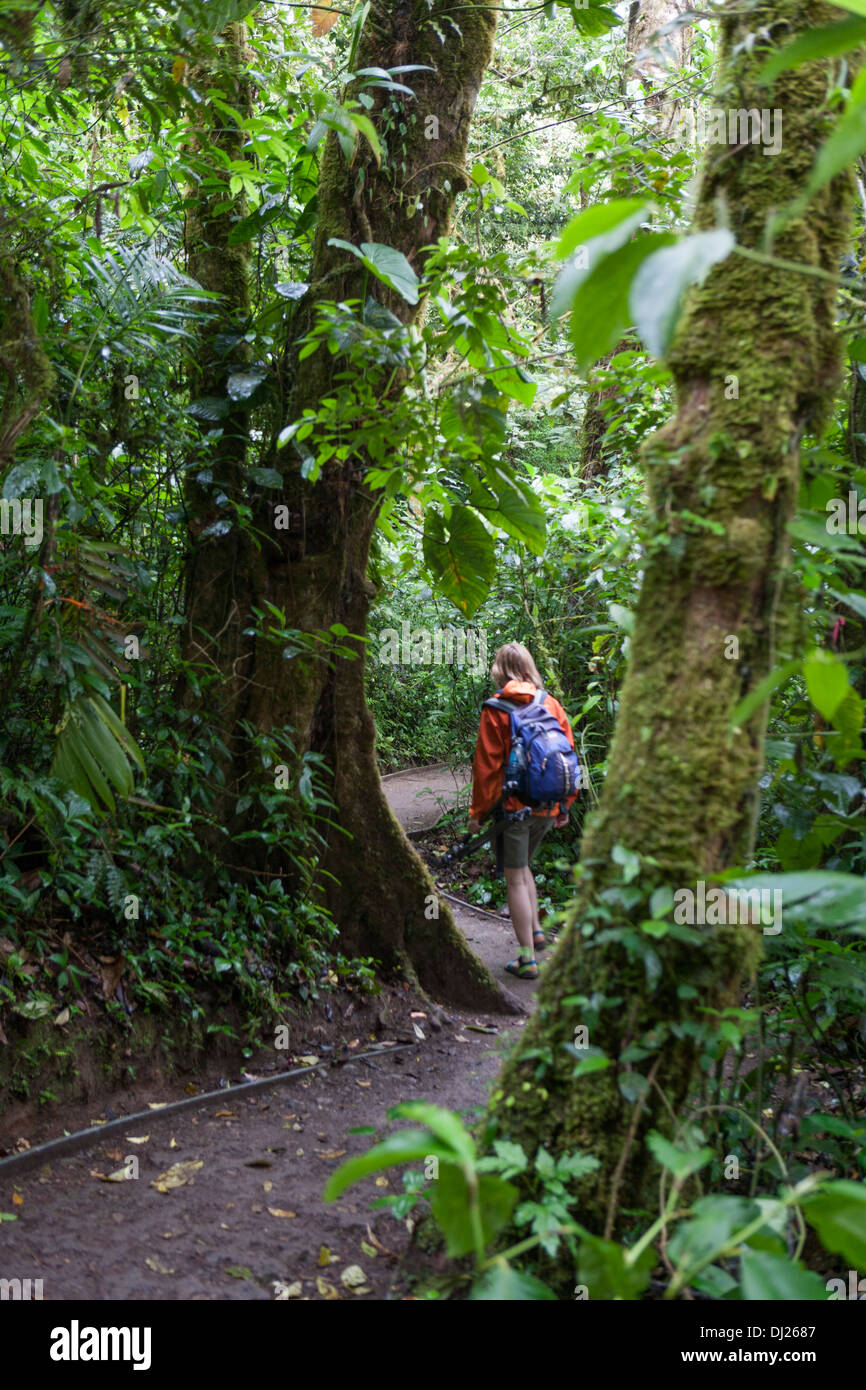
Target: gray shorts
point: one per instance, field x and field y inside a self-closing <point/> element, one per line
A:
<point x="521" y="838"/>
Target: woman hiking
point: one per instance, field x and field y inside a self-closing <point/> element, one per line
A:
<point x="517" y="681"/>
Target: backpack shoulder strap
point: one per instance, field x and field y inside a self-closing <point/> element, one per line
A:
<point x="495" y="703"/>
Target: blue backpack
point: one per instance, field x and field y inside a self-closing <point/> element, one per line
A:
<point x="542" y="766"/>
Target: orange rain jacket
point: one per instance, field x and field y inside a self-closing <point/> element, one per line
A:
<point x="494" y="746"/>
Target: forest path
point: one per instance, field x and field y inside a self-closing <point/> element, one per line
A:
<point x="250" y="1223"/>
<point x="419" y="797"/>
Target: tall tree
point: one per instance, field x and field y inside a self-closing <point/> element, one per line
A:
<point x="314" y="571"/>
<point x="755" y="362"/>
<point x="216" y="547"/>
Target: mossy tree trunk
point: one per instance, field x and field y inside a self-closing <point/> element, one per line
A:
<point x="315" y="569"/>
<point x="218" y="549"/>
<point x="755" y="362"/>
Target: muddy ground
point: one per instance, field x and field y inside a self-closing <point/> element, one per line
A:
<point x="250" y="1222"/>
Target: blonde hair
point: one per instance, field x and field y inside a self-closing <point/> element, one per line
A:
<point x="514" y="662"/>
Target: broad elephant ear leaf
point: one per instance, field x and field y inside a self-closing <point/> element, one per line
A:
<point x="460" y="555"/>
<point x="387" y="264"/>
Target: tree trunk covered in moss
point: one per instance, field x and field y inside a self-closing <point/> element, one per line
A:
<point x="594" y="459"/>
<point x="315" y="570"/>
<point x="681" y="788"/>
<point x="24" y="369"/>
<point x="214" y="559"/>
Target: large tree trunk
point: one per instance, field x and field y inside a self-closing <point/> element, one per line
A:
<point x="681" y="788"/>
<point x="315" y="571"/>
<point x="214" y="559"/>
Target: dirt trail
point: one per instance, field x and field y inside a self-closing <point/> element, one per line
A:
<point x="418" y="798"/>
<point x="250" y="1223"/>
<point x="421" y="795"/>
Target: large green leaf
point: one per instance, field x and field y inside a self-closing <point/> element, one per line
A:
<point x="460" y="555"/>
<point x="443" y="1123"/>
<point x="515" y="508"/>
<point x="824" y="42"/>
<point x="814" y="899"/>
<point x="502" y="1284"/>
<point x="603" y="1268"/>
<point x="838" y="1213"/>
<point x="600" y="309"/>
<point x="713" y="1221"/>
<point x="93" y="753"/>
<point x="387" y="264"/>
<point x="598" y="232"/>
<point x="846" y="142"/>
<point x="763" y="1275"/>
<point x="622" y="213"/>
<point x="826" y="681"/>
<point x="680" y="1162"/>
<point x="658" y="287"/>
<point x="855" y="6"/>
<point x="408" y="1146"/>
<point x="449" y="1199"/>
<point x="592" y="20"/>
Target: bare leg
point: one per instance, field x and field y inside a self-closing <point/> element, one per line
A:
<point x="520" y="905"/>
<point x="533" y="900"/>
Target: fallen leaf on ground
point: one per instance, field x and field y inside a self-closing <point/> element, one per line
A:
<point x="157" y="1104"/>
<point x="382" y="1182"/>
<point x="363" y="1083"/>
<point x="325" y="1256"/>
<point x="331" y="1153"/>
<point x="308" y="1061"/>
<point x="353" y="1277"/>
<point x="111" y="974"/>
<point x="157" y="1266"/>
<point x="62" y="1017"/>
<point x="119" y="1175"/>
<point x="17" y="1199"/>
<point x="325" y="1289"/>
<point x="460" y="1038"/>
<point x="223" y="1114"/>
<point x="177" y="1175"/>
<point x="137" y="1138"/>
<point x="174" y="1144"/>
<point x="239" y="1272"/>
<point x="368" y="1249"/>
<point x="374" y="1240"/>
<point x="267" y="1186"/>
<point x="277" y="1211"/>
<point x="282" y="1292"/>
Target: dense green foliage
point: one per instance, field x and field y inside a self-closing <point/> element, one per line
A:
<point x="490" y="529"/>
